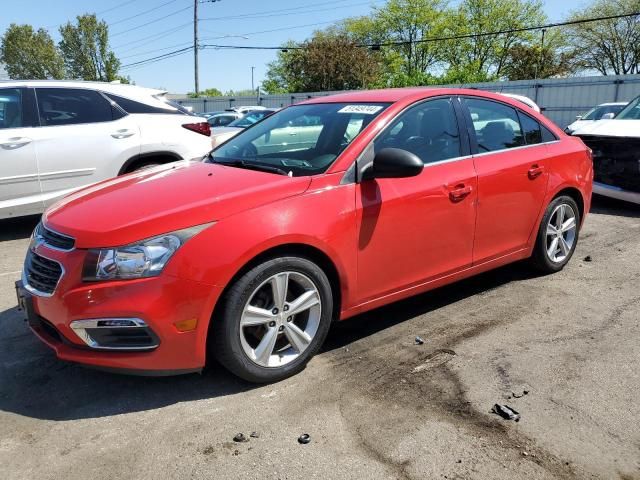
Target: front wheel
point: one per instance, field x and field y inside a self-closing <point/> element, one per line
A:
<point x="558" y="235"/>
<point x="274" y="319"/>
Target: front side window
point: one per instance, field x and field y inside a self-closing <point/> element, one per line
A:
<point x="11" y="108"/>
<point x="299" y="140"/>
<point x="496" y="125"/>
<point x="428" y="130"/>
<point x="70" y="106"/>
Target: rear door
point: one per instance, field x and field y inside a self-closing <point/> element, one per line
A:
<point x="511" y="161"/>
<point x="83" y="139"/>
<point x="19" y="186"/>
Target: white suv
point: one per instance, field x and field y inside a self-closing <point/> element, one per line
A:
<point x="57" y="137"/>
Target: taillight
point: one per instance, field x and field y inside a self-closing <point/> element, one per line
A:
<point x="202" y="128"/>
<point x="590" y="154"/>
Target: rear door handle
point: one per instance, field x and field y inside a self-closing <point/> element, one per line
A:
<point x="535" y="171"/>
<point x="460" y="192"/>
<point x="123" y="133"/>
<point x="15" y="142"/>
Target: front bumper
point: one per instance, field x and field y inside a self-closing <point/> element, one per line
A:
<point x="158" y="301"/>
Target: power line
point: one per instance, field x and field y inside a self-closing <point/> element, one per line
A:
<point x="111" y="24"/>
<point x="151" y="22"/>
<point x="283" y="12"/>
<point x="397" y="43"/>
<point x="275" y="12"/>
<point x="152" y="37"/>
<point x="115" y="8"/>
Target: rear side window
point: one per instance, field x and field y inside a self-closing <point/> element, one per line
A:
<point x="11" y="108"/>
<point x="531" y="129"/>
<point x="71" y="106"/>
<point x="131" y="106"/>
<point x="496" y="125"/>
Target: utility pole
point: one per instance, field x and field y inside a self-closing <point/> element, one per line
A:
<point x="253" y="88"/>
<point x="195" y="45"/>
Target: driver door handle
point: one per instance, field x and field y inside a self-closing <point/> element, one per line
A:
<point x="123" y="133"/>
<point x="15" y="142"/>
<point x="460" y="192"/>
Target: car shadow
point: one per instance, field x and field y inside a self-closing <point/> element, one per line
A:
<point x="611" y="206"/>
<point x="36" y="384"/>
<point x="17" y="228"/>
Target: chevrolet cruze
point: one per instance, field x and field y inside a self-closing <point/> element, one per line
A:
<point x="319" y="212"/>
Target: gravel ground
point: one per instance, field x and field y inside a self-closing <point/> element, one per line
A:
<point x="375" y="404"/>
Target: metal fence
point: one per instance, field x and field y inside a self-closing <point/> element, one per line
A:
<point x="560" y="99"/>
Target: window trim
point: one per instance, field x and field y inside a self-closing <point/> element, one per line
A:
<point x="475" y="152"/>
<point x="35" y="97"/>
<point x="465" y="144"/>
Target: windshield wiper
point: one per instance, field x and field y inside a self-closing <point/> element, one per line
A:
<point x="251" y="166"/>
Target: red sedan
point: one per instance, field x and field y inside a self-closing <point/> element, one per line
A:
<point x="321" y="211"/>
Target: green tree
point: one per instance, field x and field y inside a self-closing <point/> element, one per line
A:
<point x="329" y="61"/>
<point x="483" y="58"/>
<point x="85" y="50"/>
<point x="209" y="92"/>
<point x="526" y="61"/>
<point x="607" y="46"/>
<point x="407" y="23"/>
<point x="29" y="54"/>
<point x="247" y="92"/>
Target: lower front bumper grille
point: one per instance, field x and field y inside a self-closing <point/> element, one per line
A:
<point x="116" y="334"/>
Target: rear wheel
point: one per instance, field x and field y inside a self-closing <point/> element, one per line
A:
<point x="558" y="235"/>
<point x="274" y="319"/>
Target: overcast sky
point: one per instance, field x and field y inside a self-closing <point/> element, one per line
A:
<point x="169" y="27"/>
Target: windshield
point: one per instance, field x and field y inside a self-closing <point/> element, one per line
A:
<point x="300" y="140"/>
<point x="250" y="119"/>
<point x="631" y="111"/>
<point x="598" y="112"/>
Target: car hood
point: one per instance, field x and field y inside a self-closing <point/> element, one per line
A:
<point x="164" y="199"/>
<point x="611" y="128"/>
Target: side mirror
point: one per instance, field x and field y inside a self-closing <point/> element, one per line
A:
<point x="393" y="163"/>
<point x="608" y="116"/>
<point x="578" y="117"/>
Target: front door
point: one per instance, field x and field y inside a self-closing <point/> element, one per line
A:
<point x="19" y="186"/>
<point x="415" y="229"/>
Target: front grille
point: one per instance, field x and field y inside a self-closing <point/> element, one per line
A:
<point x="41" y="273"/>
<point x="616" y="161"/>
<point x="55" y="239"/>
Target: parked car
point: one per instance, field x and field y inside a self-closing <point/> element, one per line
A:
<point x="616" y="149"/>
<point x="246" y="109"/>
<point x="522" y="99"/>
<point x="57" y="137"/>
<point x="256" y="251"/>
<point x="223" y="119"/>
<point x="604" y="111"/>
<point x="211" y="114"/>
<point x="222" y="134"/>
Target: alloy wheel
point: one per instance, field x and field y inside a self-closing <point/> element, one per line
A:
<point x="280" y="319"/>
<point x="561" y="233"/>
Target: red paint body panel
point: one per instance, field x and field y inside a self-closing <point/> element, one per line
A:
<point x="387" y="239"/>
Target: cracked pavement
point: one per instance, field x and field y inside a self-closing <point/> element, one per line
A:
<point x="375" y="404"/>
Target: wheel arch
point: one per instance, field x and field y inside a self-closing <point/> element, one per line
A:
<point x="576" y="195"/>
<point x="160" y="156"/>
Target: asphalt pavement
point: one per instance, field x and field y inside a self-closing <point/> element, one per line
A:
<point x="375" y="404"/>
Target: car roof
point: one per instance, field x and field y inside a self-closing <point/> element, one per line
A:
<point x="393" y="95"/>
<point x="127" y="90"/>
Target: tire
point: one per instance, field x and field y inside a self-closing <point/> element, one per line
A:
<point x="243" y="350"/>
<point x="545" y="258"/>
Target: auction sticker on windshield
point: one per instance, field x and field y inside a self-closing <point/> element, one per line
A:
<point x="364" y="109"/>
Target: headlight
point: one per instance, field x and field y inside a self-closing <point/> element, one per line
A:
<point x="146" y="258"/>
